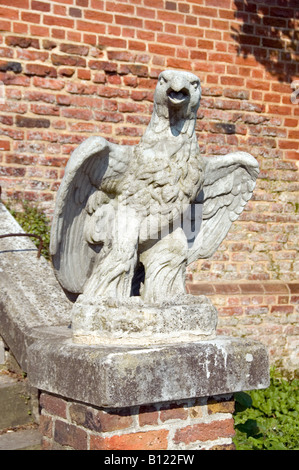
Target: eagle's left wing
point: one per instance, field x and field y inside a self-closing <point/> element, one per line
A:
<point x="228" y="184"/>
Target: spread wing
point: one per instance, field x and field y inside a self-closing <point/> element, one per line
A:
<point x="93" y="170"/>
<point x="228" y="185"/>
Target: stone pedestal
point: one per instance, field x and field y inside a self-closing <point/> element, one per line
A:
<point x="158" y="397"/>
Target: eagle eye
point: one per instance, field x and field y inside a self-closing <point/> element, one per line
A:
<point x="195" y="84"/>
<point x="162" y="80"/>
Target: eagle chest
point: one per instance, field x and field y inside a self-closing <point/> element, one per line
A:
<point x="165" y="175"/>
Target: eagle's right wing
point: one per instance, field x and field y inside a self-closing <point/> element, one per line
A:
<point x="93" y="163"/>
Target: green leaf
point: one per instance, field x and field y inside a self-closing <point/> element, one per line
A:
<point x="250" y="427"/>
<point x="276" y="445"/>
<point x="243" y="400"/>
<point x="34" y="221"/>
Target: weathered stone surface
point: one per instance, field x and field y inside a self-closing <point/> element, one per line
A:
<point x="133" y="321"/>
<point x="30" y="295"/>
<point x="15" y="402"/>
<point x="127" y="376"/>
<point x="28" y="439"/>
<point x="2" y="352"/>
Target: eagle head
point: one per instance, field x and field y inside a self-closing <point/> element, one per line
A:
<point x="177" y="94"/>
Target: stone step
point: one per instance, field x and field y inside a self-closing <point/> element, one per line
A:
<point x="22" y="439"/>
<point x="15" y="401"/>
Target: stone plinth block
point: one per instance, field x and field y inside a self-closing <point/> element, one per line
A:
<point x="132" y="321"/>
<point x="110" y="376"/>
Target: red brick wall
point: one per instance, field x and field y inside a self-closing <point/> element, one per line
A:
<point x="74" y="68"/>
<point x="199" y="424"/>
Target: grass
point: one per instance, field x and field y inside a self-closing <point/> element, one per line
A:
<point x="268" y="419"/>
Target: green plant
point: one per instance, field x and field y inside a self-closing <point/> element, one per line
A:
<point x="33" y="220"/>
<point x="268" y="419"/>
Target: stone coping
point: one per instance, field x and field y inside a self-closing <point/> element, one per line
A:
<point x="111" y="376"/>
<point x="30" y="295"/>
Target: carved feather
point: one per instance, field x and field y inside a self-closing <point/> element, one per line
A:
<point x="228" y="184"/>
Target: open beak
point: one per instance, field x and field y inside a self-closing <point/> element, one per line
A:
<point x="176" y="98"/>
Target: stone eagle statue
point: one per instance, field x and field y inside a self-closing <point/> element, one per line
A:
<point x="129" y="219"/>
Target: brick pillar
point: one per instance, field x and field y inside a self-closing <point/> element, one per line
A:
<point x="193" y="424"/>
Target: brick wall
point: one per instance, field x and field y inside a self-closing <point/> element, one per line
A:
<point x="74" y="68"/>
<point x="199" y="424"/>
